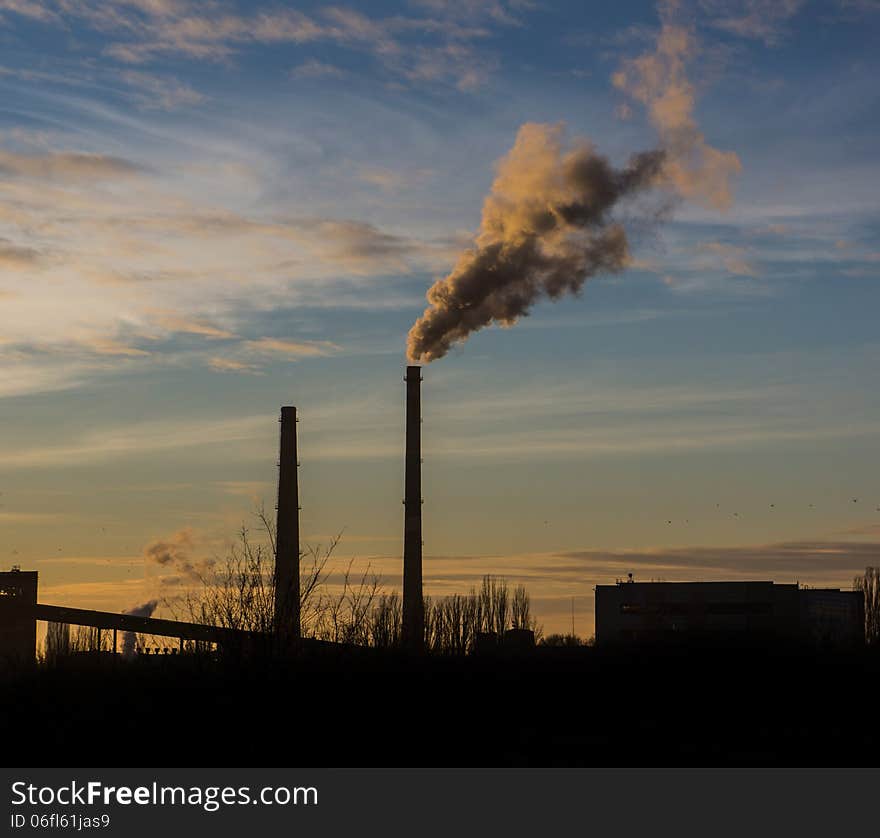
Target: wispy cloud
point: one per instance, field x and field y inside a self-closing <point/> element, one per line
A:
<point x="13" y="257"/>
<point x="66" y="166"/>
<point x="231" y="365"/>
<point x="292" y="349"/>
<point x="314" y="69"/>
<point x="110" y="346"/>
<point x="763" y="20"/>
<point x="190" y="325"/>
<point x="138" y="439"/>
<point x="391" y="180"/>
<point x="732" y="257"/>
<point x="33" y="9"/>
<point x="154" y="92"/>
<point x="437" y="47"/>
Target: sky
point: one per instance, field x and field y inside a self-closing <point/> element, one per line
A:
<point x="208" y="210"/>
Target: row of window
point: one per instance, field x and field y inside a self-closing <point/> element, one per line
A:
<point x="685" y="609"/>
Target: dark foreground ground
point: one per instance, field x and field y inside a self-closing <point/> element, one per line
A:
<point x="561" y="707"/>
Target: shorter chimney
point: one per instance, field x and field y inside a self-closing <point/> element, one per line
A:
<point x="287" y="618"/>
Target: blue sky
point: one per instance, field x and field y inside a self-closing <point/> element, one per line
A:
<point x="211" y="209"/>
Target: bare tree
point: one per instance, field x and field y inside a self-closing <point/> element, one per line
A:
<point x="346" y="617"/>
<point x="453" y="622"/>
<point x="521" y="610"/>
<point x="57" y="642"/>
<point x="237" y="591"/>
<point x="869" y="585"/>
<point x="386" y="621"/>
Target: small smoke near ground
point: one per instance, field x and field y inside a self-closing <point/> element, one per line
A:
<point x="129" y="639"/>
<point x="548" y="223"/>
<point x="174" y="553"/>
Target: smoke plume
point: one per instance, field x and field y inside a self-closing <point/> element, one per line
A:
<point x="548" y="224"/>
<point x="129" y="639"/>
<point x="658" y="80"/>
<point x="546" y="228"/>
<point x="175" y="553"/>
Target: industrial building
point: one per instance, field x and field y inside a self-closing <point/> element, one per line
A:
<point x="18" y="633"/>
<point x="736" y="612"/>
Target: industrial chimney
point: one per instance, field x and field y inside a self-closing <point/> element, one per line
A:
<point x="287" y="625"/>
<point x="413" y="605"/>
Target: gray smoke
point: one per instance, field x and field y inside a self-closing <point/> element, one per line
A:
<point x="129" y="639"/>
<point x="547" y="227"/>
<point x="175" y="553"/>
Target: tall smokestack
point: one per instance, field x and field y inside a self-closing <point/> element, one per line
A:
<point x="413" y="605"/>
<point x="287" y="625"/>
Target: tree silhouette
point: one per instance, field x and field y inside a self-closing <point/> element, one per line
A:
<point x="869" y="585"/>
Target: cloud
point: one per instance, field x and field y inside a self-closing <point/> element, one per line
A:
<point x="733" y="258"/>
<point x="66" y="166"/>
<point x="137" y="259"/>
<point x="33" y="9"/>
<point x="13" y="257"/>
<point x="784" y="561"/>
<point x="190" y="325"/>
<point x="314" y="69"/>
<point x="231" y="365"/>
<point x="253" y="489"/>
<point x="160" y="93"/>
<point x="22" y="375"/>
<point x="292" y="349"/>
<point x="110" y="346"/>
<point x="479" y="10"/>
<point x="659" y="81"/>
<point x="762" y="20"/>
<point x="433" y="48"/>
<point x="358" y="245"/>
<point x="391" y="180"/>
<point x="38" y="518"/>
<point x="138" y="439"/>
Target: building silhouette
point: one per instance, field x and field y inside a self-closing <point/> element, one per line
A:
<point x="18" y="630"/>
<point x="670" y="612"/>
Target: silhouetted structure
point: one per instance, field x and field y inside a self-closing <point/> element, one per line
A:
<point x="832" y="617"/>
<point x="666" y="612"/>
<point x="287" y="617"/>
<point x="413" y="628"/>
<point x="18" y="631"/>
<point x="20" y="611"/>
